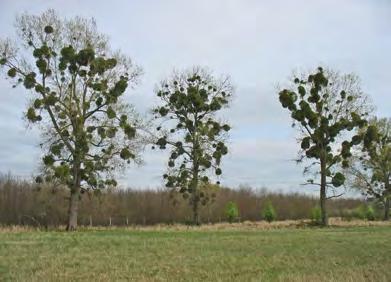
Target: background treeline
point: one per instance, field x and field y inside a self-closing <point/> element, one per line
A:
<point x="24" y="203"/>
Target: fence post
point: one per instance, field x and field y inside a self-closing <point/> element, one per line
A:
<point x="90" y="220"/>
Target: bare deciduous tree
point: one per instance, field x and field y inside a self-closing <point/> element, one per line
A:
<point x="372" y="169"/>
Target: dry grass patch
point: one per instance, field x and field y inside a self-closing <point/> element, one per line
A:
<point x="246" y="225"/>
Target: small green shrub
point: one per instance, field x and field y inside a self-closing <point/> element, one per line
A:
<point x="370" y="213"/>
<point x="316" y="215"/>
<point x="231" y="212"/>
<point x="362" y="212"/>
<point x="268" y="213"/>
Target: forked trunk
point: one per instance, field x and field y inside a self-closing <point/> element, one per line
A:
<point x="325" y="220"/>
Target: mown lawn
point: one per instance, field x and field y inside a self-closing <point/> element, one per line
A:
<point x="307" y="254"/>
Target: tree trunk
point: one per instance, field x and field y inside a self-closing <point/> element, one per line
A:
<point x="75" y="194"/>
<point x="387" y="203"/>
<point x="196" y="216"/>
<point x="387" y="206"/>
<point x="325" y="220"/>
<point x="196" y="170"/>
<point x="73" y="208"/>
<point x="195" y="196"/>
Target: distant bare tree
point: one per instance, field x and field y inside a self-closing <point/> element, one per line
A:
<point x="372" y="169"/>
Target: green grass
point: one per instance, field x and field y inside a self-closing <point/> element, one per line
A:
<point x="330" y="254"/>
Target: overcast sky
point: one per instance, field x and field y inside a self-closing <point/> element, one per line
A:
<point x="258" y="43"/>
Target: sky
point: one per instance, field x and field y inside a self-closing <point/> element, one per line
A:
<point x="258" y="43"/>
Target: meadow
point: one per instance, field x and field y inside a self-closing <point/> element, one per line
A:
<point x="245" y="252"/>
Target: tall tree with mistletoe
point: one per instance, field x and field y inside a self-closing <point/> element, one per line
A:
<point x="76" y="86"/>
<point x="325" y="105"/>
<point x="190" y="128"/>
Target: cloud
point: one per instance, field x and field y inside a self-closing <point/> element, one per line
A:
<point x="258" y="43"/>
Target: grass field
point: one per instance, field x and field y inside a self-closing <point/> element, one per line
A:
<point x="228" y="254"/>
